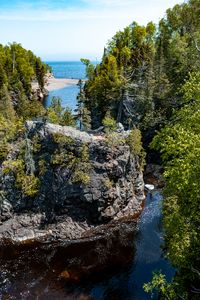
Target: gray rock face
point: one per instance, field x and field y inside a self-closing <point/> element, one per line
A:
<point x="64" y="210"/>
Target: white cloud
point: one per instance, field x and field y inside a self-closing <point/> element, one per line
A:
<point x="73" y="33"/>
<point x="61" y="15"/>
<point x="113" y="3"/>
<point x="97" y="9"/>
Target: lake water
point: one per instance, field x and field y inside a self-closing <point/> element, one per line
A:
<point x="70" y="69"/>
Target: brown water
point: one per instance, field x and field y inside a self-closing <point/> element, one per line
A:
<point x="120" y="264"/>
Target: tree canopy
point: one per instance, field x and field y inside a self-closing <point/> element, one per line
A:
<point x="143" y="69"/>
<point x="18" y="69"/>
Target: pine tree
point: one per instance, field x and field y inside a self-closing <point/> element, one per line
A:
<point x="6" y="107"/>
<point x="83" y="114"/>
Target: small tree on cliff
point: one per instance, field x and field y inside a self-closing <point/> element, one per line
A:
<point x="83" y="114"/>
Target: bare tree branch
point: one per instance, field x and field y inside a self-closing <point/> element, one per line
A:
<point x="196" y="45"/>
<point x="195" y="271"/>
<point x="195" y="290"/>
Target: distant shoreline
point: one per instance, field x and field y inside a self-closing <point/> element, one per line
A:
<point x="59" y="83"/>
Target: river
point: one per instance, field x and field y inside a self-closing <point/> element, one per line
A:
<point x="127" y="284"/>
<point x="23" y="279"/>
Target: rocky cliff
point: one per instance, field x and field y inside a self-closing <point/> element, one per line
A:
<point x="59" y="183"/>
<point x="69" y="203"/>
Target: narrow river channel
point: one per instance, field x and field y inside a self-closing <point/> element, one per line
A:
<point x="123" y="283"/>
<point x="127" y="284"/>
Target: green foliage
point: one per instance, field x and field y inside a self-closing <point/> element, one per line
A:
<point x="83" y="114"/>
<point x="134" y="140"/>
<point x="114" y="139"/>
<point x="56" y="106"/>
<point x="52" y="117"/>
<point x="40" y="70"/>
<point x="67" y="118"/>
<point x="16" y="166"/>
<point x="55" y="110"/>
<point x="30" y="109"/>
<point x="19" y="68"/>
<point x="36" y="143"/>
<point x="160" y="285"/>
<point x="29" y="184"/>
<point x="109" y="124"/>
<point x="9" y="131"/>
<point x="84" y="118"/>
<point x="42" y="167"/>
<point x="143" y="69"/>
<point x="56" y="114"/>
<point x="191" y="88"/>
<point x="81" y="177"/>
<point x="104" y="86"/>
<point x="74" y="157"/>
<point x="179" y="144"/>
<point x="89" y="67"/>
<point x="19" y="167"/>
<point x="62" y="140"/>
<point x="120" y="76"/>
<point x="6" y="107"/>
<point x="82" y="166"/>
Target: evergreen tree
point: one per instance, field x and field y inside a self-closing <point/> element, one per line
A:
<point x="82" y="113"/>
<point x="6" y="107"/>
<point x="179" y="143"/>
<point x="67" y="118"/>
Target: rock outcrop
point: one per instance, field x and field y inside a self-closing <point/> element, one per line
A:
<point x="69" y="203"/>
<point x="37" y="92"/>
<point x="64" y="208"/>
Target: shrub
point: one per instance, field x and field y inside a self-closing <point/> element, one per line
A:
<point x="74" y="156"/>
<point x="134" y="140"/>
<point x="30" y="185"/>
<point x="109" y="124"/>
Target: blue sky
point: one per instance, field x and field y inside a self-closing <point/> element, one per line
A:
<point x="71" y="29"/>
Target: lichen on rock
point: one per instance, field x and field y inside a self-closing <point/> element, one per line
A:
<point x="67" y="184"/>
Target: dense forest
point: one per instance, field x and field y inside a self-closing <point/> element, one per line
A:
<point x="19" y="68"/>
<point x="143" y="69"/>
<point x="148" y="80"/>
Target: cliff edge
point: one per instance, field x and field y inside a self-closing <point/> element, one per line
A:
<point x="61" y="184"/>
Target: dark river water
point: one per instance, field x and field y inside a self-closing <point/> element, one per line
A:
<point x="21" y="280"/>
<point x="127" y="284"/>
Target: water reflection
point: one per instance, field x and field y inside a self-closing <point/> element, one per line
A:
<point x="44" y="273"/>
<point x="128" y="283"/>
